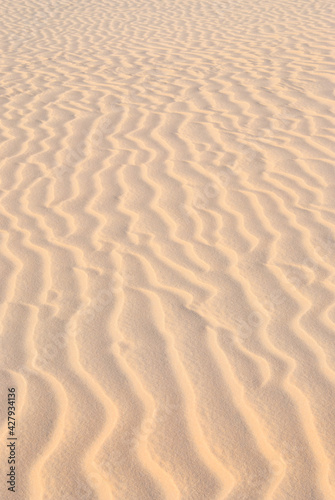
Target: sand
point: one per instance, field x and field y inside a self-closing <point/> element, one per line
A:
<point x="167" y="249"/>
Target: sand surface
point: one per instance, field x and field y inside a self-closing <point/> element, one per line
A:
<point x="167" y="249"/>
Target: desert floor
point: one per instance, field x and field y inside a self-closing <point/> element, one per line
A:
<point x="167" y="249"/>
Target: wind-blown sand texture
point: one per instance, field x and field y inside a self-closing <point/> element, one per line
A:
<point x="167" y="249"/>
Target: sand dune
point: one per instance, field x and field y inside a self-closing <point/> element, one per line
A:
<point x="167" y="249"/>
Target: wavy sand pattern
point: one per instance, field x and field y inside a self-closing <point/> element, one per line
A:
<point x="167" y="248"/>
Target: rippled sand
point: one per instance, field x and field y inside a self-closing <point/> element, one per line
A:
<point x="167" y="249"/>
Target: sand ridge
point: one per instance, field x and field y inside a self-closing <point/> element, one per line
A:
<point x="167" y="243"/>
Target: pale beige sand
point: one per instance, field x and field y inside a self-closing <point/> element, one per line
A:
<point x="167" y="249"/>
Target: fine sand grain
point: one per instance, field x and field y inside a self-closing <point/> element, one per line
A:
<point x="167" y="249"/>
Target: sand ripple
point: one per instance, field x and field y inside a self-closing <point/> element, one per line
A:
<point x="167" y="248"/>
